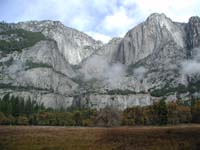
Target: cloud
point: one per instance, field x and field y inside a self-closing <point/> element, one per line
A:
<point x="99" y="36"/>
<point x="108" y="19"/>
<point x="80" y="23"/>
<point x="140" y="72"/>
<point x="115" y="74"/>
<point x="118" y="22"/>
<point x="178" y="10"/>
<point x="97" y="67"/>
<point x="191" y="67"/>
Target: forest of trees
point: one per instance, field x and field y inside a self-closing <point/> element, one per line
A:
<point x="17" y="111"/>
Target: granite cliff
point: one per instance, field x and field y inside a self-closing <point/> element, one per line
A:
<point x="63" y="67"/>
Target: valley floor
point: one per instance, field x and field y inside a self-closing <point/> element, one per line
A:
<point x="180" y="137"/>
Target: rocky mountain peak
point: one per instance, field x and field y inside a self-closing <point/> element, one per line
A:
<point x="159" y="19"/>
<point x="39" y="26"/>
<point x="194" y="19"/>
<point x="73" y="44"/>
<point x="157" y="16"/>
<point x="149" y="37"/>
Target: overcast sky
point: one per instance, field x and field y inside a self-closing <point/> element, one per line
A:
<point x="102" y="19"/>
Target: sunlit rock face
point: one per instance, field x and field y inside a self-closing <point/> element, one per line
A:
<point x="39" y="72"/>
<point x="39" y="66"/>
<point x="69" y="68"/>
<point x="47" y="52"/>
<point x="117" y="101"/>
<point x="158" y="45"/>
<point x="72" y="44"/>
<point x="149" y="37"/>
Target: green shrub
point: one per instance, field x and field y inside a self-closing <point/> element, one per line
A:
<point x="4" y="120"/>
<point x="196" y="111"/>
<point x="22" y="120"/>
<point x="31" y="65"/>
<point x="120" y="92"/>
<point x="108" y="117"/>
<point x="21" y="40"/>
<point x="166" y="90"/>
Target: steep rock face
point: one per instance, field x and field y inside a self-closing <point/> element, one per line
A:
<point x="148" y="38"/>
<point x="118" y="101"/>
<point x="163" y="67"/>
<point x="109" y="50"/>
<point x="159" y="46"/>
<point x="39" y="72"/>
<point x="152" y="52"/>
<point x="73" y="45"/>
<point x="121" y="73"/>
<point x="49" y="100"/>
<point x="47" y="79"/>
<point x="47" y="52"/>
<point x="193" y="32"/>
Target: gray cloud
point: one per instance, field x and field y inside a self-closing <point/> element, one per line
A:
<point x="95" y="67"/>
<point x="115" y="74"/>
<point x="140" y="72"/>
<point x="102" y="19"/>
<point x="98" y="67"/>
<point x="192" y="66"/>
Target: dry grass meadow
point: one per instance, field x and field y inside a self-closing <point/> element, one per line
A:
<point x="183" y="137"/>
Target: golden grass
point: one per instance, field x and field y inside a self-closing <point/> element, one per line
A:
<point x="185" y="137"/>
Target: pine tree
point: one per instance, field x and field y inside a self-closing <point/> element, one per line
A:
<point x="17" y="106"/>
<point x="5" y="104"/>
<point x="196" y="112"/>
<point x="162" y="112"/>
<point x="28" y="107"/>
<point x="22" y="106"/>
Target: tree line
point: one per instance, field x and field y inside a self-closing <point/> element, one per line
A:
<point x="17" y="111"/>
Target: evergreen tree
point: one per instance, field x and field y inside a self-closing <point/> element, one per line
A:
<point x="77" y="118"/>
<point x="22" y="106"/>
<point x="162" y="112"/>
<point x="28" y="107"/>
<point x="17" y="106"/>
<point x="5" y="104"/>
<point x="196" y="112"/>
